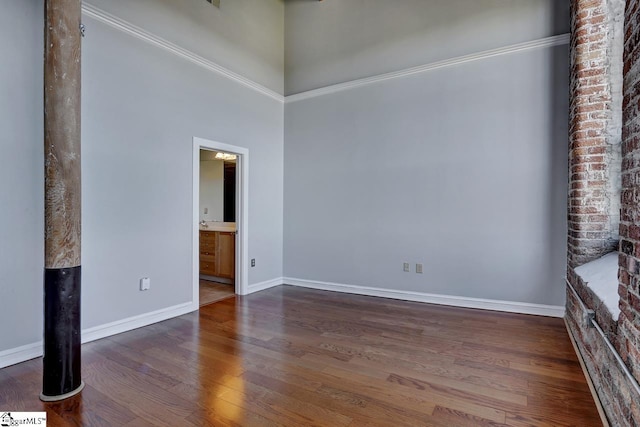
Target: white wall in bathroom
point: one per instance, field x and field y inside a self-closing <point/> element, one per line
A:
<point x="211" y="190"/>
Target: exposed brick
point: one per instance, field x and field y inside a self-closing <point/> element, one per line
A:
<point x="627" y="247"/>
<point x="633" y="232"/>
<point x="589" y="113"/>
<point x="622" y="291"/>
<point x="623" y="278"/>
<point x="625" y="309"/>
<point x="634" y="301"/>
<point x="592" y="224"/>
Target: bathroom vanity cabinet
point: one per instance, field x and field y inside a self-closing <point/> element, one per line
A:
<point x="217" y="253"/>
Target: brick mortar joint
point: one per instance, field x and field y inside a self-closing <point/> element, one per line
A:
<point x="613" y="388"/>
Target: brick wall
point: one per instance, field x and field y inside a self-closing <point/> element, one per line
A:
<point x="629" y="273"/>
<point x="593" y="196"/>
<point x="594" y="134"/>
<point x="611" y="384"/>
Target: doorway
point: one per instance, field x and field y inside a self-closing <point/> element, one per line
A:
<point x="220" y="237"/>
<point x="217" y="225"/>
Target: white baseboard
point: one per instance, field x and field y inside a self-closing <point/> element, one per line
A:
<point x="135" y="322"/>
<point x="20" y="354"/>
<point x="257" y="287"/>
<point x="456" y="301"/>
<point x="31" y="351"/>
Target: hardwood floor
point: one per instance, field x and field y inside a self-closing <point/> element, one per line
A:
<point x="296" y="357"/>
<point x="213" y="291"/>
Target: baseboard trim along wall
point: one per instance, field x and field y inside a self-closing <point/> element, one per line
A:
<point x="261" y="286"/>
<point x="20" y="354"/>
<point x="135" y="322"/>
<point x="451" y="300"/>
<point x="31" y="351"/>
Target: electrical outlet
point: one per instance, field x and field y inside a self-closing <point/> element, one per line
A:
<point x="206" y="211"/>
<point x="253" y="262"/>
<point x="419" y="268"/>
<point x="145" y="284"/>
<point x="406" y="266"/>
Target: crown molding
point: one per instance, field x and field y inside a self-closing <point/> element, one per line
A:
<point x="507" y="50"/>
<point x="100" y="15"/>
<point x="135" y="31"/>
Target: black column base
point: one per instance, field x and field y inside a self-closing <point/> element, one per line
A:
<point x="61" y="363"/>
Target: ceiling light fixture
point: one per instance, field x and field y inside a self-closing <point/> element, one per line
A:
<point x="225" y="156"/>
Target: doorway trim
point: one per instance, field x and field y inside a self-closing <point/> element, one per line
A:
<point x="242" y="214"/>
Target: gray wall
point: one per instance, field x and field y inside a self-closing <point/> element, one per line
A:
<point x="141" y="108"/>
<point x="462" y="169"/>
<point x="245" y="36"/>
<point x="336" y="41"/>
<point x="21" y="173"/>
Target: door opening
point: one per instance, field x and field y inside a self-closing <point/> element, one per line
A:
<point x="220" y="185"/>
<point x="217" y="226"/>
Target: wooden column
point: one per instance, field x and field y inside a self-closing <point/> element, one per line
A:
<point x="61" y="374"/>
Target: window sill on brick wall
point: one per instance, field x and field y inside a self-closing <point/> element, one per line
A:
<point x="601" y="276"/>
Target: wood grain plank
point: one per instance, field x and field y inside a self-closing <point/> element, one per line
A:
<point x="291" y="357"/>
